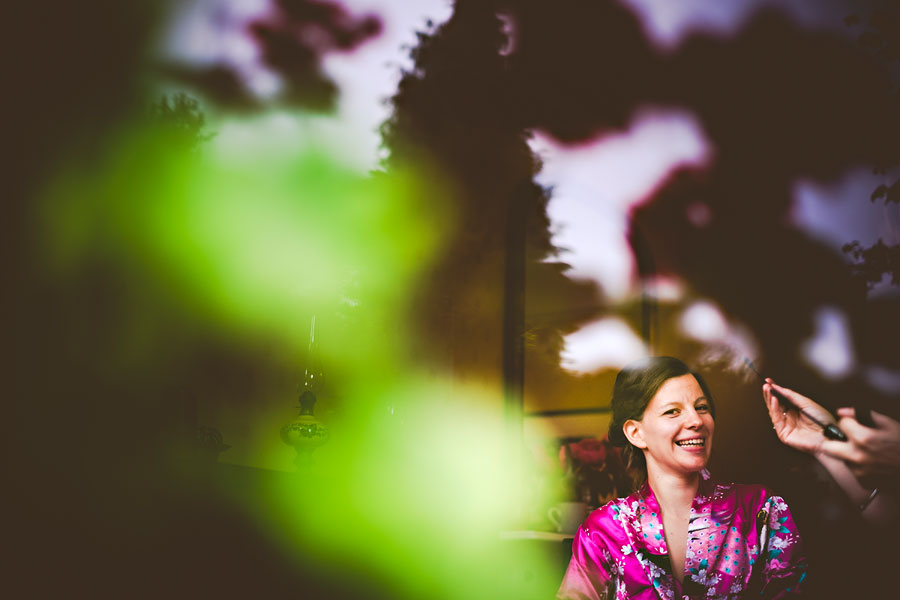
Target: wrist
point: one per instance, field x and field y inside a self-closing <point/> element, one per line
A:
<point x="865" y="503"/>
<point x="820" y="454"/>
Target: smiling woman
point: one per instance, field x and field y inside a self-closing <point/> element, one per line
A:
<point x="681" y="534"/>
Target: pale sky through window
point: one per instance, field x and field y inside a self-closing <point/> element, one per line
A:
<point x="595" y="185"/>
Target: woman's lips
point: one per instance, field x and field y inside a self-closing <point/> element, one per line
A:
<point x="691" y="444"/>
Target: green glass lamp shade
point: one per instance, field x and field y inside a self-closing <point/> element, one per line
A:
<point x="305" y="432"/>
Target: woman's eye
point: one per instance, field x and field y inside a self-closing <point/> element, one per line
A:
<point x="703" y="408"/>
<point x="671" y="411"/>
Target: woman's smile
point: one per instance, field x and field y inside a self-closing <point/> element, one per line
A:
<point x="692" y="444"/>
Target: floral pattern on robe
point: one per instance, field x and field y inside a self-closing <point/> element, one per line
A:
<point x="742" y="542"/>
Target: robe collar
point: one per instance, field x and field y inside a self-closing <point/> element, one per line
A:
<point x="648" y="535"/>
<point x="648" y="516"/>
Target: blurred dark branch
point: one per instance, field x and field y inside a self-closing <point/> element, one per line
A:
<point x="292" y="40"/>
<point x="874" y="262"/>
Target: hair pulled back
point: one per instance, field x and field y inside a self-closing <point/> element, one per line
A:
<point x="633" y="390"/>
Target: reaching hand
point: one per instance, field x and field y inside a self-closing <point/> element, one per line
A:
<point x="791" y="427"/>
<point x="868" y="451"/>
<point x="858" y="464"/>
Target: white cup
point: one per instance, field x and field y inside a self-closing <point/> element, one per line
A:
<point x="567" y="516"/>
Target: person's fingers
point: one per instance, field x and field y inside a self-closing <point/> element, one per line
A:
<point x="885" y="422"/>
<point x="798" y="399"/>
<point x="766" y="392"/>
<point x="784" y="423"/>
<point x="809" y="407"/>
<point x="775" y="412"/>
<point x="880" y="421"/>
<point x="858" y="434"/>
<point x="846" y="412"/>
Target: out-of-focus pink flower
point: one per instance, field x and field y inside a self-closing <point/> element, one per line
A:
<point x="592" y="470"/>
<point x="589" y="451"/>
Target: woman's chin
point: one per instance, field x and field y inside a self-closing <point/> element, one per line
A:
<point x="683" y="467"/>
<point x="697" y="465"/>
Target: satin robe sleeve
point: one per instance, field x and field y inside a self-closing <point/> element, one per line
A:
<point x="591" y="571"/>
<point x="784" y="559"/>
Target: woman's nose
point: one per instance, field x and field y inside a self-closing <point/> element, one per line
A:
<point x="692" y="418"/>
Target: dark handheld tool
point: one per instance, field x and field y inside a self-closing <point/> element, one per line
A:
<point x="829" y="430"/>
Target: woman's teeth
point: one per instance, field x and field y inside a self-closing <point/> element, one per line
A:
<point x="691" y="443"/>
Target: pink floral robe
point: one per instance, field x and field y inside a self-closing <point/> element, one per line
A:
<point x="742" y="542"/>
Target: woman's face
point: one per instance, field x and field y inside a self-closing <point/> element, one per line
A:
<point x="676" y="429"/>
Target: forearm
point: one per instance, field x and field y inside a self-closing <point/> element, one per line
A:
<point x="881" y="509"/>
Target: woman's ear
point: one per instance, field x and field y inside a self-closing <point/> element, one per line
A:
<point x="634" y="433"/>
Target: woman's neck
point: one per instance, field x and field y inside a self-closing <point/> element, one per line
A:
<point x="675" y="494"/>
<point x="673" y="490"/>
